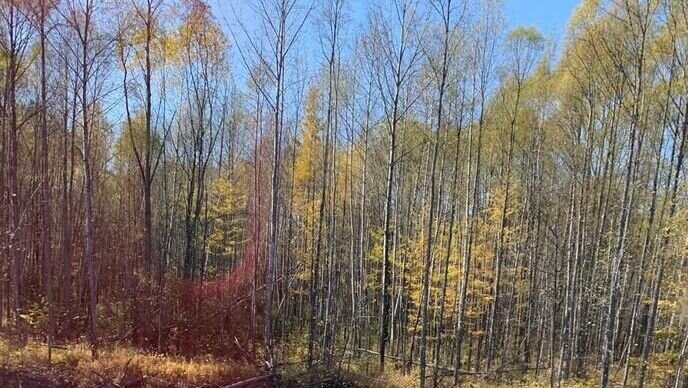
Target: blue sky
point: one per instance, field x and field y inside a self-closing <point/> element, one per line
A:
<point x="549" y="16"/>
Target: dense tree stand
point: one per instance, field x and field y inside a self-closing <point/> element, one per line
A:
<point x="295" y="192"/>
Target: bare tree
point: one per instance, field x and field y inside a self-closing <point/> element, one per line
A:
<point x="90" y="50"/>
<point x="393" y="45"/>
<point x="282" y="22"/>
<point x="17" y="32"/>
<point x="439" y="64"/>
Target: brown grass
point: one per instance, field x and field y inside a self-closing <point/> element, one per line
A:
<point x="120" y="365"/>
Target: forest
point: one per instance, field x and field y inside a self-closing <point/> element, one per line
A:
<point x="341" y="193"/>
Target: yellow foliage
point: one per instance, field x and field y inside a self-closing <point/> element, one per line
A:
<point x="225" y="202"/>
<point x="309" y="154"/>
<point x="199" y="37"/>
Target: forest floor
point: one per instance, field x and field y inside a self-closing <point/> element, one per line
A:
<point x="26" y="365"/>
<point x="72" y="366"/>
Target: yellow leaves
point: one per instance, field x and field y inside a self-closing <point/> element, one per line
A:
<point x="304" y="275"/>
<point x="526" y="34"/>
<point x="522" y="286"/>
<point x="483" y="252"/>
<point x="584" y="14"/>
<point x="376" y="237"/>
<point x="223" y="198"/>
<point x="125" y="159"/>
<point x="667" y="333"/>
<point x="170" y="47"/>
<point x="683" y="301"/>
<point x="495" y="208"/>
<point x="199" y="37"/>
<point x="225" y="203"/>
<point x="309" y="153"/>
<point x="663" y="46"/>
<point x="133" y="38"/>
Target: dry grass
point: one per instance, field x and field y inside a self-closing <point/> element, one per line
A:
<point x="119" y="365"/>
<point x="367" y="375"/>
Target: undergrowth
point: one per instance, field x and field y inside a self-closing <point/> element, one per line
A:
<point x="119" y="366"/>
